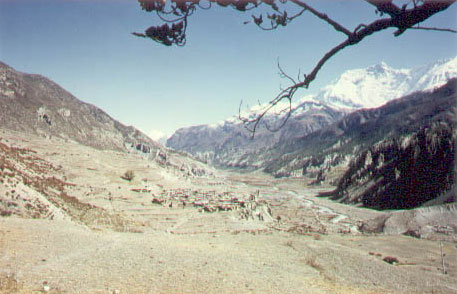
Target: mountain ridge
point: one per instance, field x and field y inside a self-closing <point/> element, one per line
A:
<point x="400" y="155"/>
<point x="31" y="103"/>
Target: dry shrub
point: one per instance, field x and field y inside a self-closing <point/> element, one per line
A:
<point x="390" y="259"/>
<point x="316" y="236"/>
<point x="311" y="261"/>
<point x="289" y="244"/>
<point x="9" y="284"/>
<point x="128" y="175"/>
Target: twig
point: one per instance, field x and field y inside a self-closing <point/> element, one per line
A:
<point x="442" y="258"/>
<point x="434" y="29"/>
<point x="324" y="17"/>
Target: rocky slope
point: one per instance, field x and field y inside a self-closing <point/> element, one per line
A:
<point x="400" y="155"/>
<point x="35" y="104"/>
<point x="227" y="144"/>
<point x="403" y="172"/>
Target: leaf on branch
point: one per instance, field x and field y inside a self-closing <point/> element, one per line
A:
<point x="257" y="20"/>
<point x="241" y="5"/>
<point x="165" y="34"/>
<point x="139" y="35"/>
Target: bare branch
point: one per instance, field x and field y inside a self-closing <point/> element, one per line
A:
<point x="282" y="74"/>
<point x="410" y="17"/>
<point x="385" y="6"/>
<point x="323" y="16"/>
<point x="298" y="75"/>
<point x="434" y="29"/>
<point x="288" y="111"/>
<point x="403" y="21"/>
<point x="359" y="27"/>
<point x="251" y="124"/>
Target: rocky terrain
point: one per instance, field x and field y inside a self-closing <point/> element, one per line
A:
<point x="400" y="155"/>
<point x="229" y="144"/>
<point x="34" y="104"/>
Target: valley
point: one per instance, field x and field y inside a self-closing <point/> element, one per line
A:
<point x="90" y="205"/>
<point x="103" y="234"/>
<point x="228" y="147"/>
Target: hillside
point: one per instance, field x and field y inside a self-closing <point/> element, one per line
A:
<point x="400" y="155"/>
<point x="229" y="144"/>
<point x="35" y="104"/>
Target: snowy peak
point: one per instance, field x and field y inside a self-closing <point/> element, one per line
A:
<point x="378" y="84"/>
<point x="436" y="75"/>
<point x="368" y="88"/>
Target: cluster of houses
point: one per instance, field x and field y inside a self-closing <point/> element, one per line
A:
<point x="207" y="201"/>
<point x="248" y="207"/>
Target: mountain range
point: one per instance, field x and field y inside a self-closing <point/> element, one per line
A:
<point x="398" y="154"/>
<point x="228" y="144"/>
<point x="385" y="138"/>
<point x="378" y="84"/>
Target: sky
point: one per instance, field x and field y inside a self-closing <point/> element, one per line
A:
<point x="86" y="46"/>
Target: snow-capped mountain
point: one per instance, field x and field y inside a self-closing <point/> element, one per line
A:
<point x="435" y="75"/>
<point x="226" y="143"/>
<point x="378" y="84"/>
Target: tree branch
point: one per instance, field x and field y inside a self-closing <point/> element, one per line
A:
<point x="400" y="18"/>
<point x="384" y="6"/>
<point x="404" y="20"/>
<point x="434" y="29"/>
<point x="324" y="17"/>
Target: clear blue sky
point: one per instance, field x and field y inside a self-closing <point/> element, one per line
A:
<point x="86" y="47"/>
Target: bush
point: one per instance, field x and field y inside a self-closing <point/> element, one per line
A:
<point x="390" y="259"/>
<point x="128" y="175"/>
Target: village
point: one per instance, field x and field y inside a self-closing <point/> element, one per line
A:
<point x="249" y="207"/>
